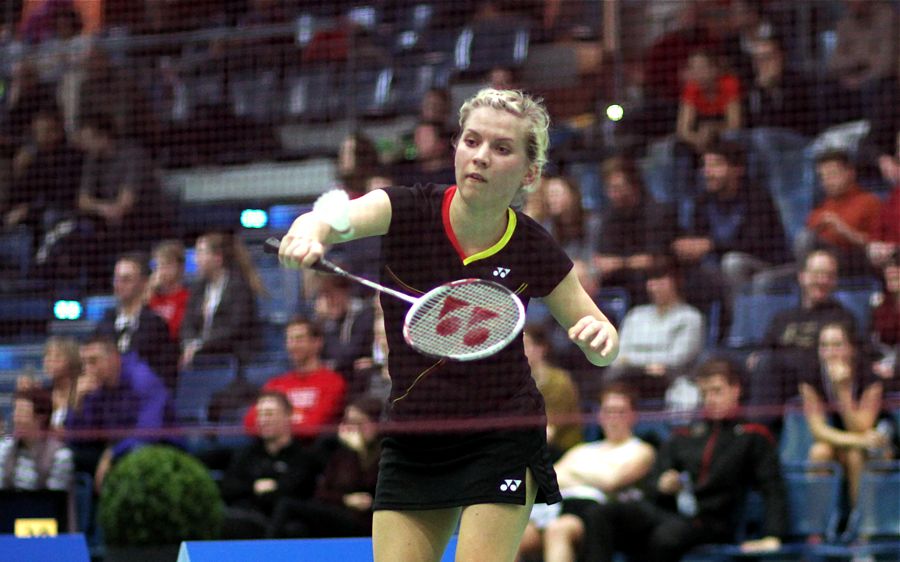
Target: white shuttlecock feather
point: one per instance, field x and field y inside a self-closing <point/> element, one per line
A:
<point x="333" y="208"/>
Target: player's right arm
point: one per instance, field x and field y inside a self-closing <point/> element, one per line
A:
<point x="305" y="241"/>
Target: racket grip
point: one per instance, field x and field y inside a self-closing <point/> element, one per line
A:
<point x="272" y="244"/>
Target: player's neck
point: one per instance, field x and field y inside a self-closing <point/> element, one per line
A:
<point x="477" y="229"/>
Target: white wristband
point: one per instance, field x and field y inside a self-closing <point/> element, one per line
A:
<point x="333" y="208"/>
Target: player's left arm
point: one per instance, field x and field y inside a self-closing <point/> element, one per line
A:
<point x="586" y="325"/>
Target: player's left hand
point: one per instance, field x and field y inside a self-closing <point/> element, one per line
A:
<point x="593" y="334"/>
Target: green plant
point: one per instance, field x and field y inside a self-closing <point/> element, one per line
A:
<point x="159" y="495"/>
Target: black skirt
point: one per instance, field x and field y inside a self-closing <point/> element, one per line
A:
<point x="442" y="470"/>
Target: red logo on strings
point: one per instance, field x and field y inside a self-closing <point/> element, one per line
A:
<point x="449" y="325"/>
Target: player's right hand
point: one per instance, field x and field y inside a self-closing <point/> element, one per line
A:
<point x="300" y="251"/>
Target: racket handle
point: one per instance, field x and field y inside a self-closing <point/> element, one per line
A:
<point x="272" y="244"/>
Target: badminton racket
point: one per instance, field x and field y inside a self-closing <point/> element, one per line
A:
<point x="461" y="320"/>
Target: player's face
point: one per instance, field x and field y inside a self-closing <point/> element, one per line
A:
<point x="491" y="157"/>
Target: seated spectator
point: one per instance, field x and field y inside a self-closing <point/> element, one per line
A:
<point x="846" y="220"/>
<point x="221" y="309"/>
<point x="433" y="162"/>
<point x="885" y="242"/>
<point x="788" y="348"/>
<point x="316" y="394"/>
<point x="273" y="467"/>
<point x="346" y="323"/>
<point x="62" y="365"/>
<point x="710" y="105"/>
<point x="24" y="98"/>
<point x="658" y="342"/>
<point x="119" y="195"/>
<point x="560" y="394"/>
<point x="357" y="161"/>
<point x="557" y="204"/>
<point x="635" y="232"/>
<point x="736" y="231"/>
<point x="134" y="325"/>
<point x="115" y="393"/>
<point x="342" y="503"/>
<point x="608" y="470"/>
<point x="31" y="459"/>
<point x="886" y="327"/>
<point x="168" y="294"/>
<point x="842" y="405"/>
<point x="861" y="67"/>
<point x="777" y="97"/>
<point x="703" y="473"/>
<point x="46" y="172"/>
<point x="370" y="374"/>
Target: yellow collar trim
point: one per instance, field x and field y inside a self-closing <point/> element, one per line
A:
<point x="510" y="228"/>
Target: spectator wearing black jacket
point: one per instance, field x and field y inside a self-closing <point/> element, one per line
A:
<point x="134" y="326"/>
<point x="778" y="97"/>
<point x="733" y="222"/>
<point x="704" y="472"/>
<point x="275" y="466"/>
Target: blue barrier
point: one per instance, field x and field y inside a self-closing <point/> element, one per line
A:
<point x="61" y="548"/>
<point x="287" y="550"/>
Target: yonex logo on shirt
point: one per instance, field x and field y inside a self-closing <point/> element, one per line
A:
<point x="501" y="272"/>
<point x="510" y="485"/>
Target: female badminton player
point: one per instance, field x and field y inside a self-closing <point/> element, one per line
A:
<point x="485" y="476"/>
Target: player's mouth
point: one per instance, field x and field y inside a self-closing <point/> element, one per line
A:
<point x="476" y="177"/>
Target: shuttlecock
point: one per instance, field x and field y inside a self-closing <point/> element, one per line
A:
<point x="333" y="208"/>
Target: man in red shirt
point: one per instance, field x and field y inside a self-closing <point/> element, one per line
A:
<point x="316" y="393"/>
<point x="845" y="221"/>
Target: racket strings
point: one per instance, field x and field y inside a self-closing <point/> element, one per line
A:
<point x="465" y="320"/>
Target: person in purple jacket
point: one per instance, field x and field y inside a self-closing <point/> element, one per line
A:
<point x="114" y="393"/>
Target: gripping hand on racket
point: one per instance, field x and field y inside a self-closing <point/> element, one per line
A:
<point x="334" y="219"/>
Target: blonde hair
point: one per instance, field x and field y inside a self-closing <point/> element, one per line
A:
<point x="172" y="250"/>
<point x="521" y="105"/>
<point x="69" y="348"/>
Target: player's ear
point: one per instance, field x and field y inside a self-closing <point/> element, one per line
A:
<point x="531" y="175"/>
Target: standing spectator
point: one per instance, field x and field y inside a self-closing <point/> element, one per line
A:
<point x="273" y="467"/>
<point x="46" y="172"/>
<point x="778" y="97"/>
<point x="62" y="365"/>
<point x="221" y="309"/>
<point x="707" y="470"/>
<point x="659" y="341"/>
<point x="116" y="392"/>
<point x="735" y="232"/>
<point x="346" y="323"/>
<point x="134" y="325"/>
<point x="559" y="391"/>
<point x="851" y="434"/>
<point x="788" y="348"/>
<point x="168" y="294"/>
<point x="863" y="62"/>
<point x="316" y="394"/>
<point x="846" y="220"/>
<point x="30" y="459"/>
<point x="636" y="231"/>
<point x="342" y="503"/>
<point x="119" y="194"/>
<point x="608" y="470"/>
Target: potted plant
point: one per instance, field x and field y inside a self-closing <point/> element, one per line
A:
<point x="153" y="499"/>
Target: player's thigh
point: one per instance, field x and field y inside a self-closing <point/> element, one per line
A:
<point x="412" y="536"/>
<point x="493" y="531"/>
